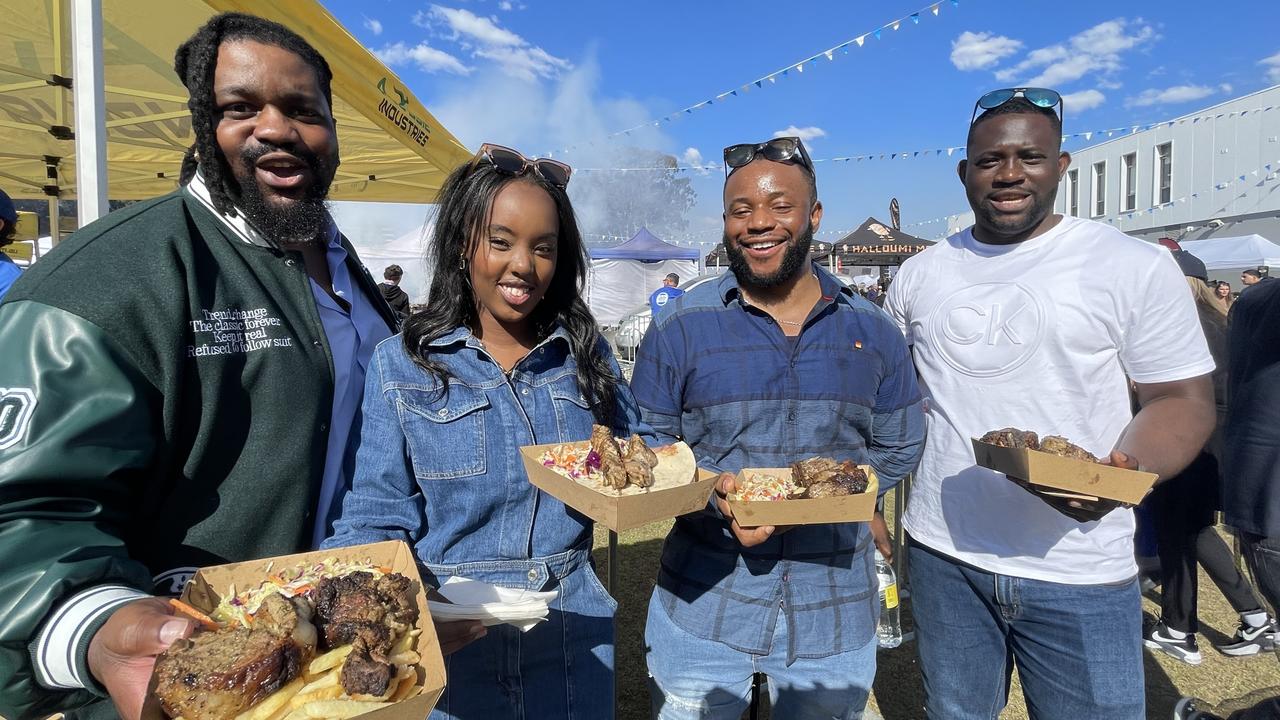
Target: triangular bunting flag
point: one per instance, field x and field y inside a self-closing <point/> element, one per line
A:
<point x="877" y="33"/>
<point x="758" y="83"/>
<point x="949" y="151"/>
<point x="934" y="9"/>
<point x="915" y="18"/>
<point x="859" y="39"/>
<point x="828" y="54"/>
<point x="799" y="67"/>
<point x="895" y="25"/>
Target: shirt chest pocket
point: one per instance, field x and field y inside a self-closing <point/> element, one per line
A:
<point x="445" y="433"/>
<point x="573" y="413"/>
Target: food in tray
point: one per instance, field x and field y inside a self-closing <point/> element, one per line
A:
<point x="1052" y="444"/>
<point x="814" y="478"/>
<point x="619" y="466"/>
<point x="257" y="658"/>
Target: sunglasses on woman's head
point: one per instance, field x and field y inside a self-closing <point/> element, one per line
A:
<point x="511" y="162"/>
<point x="1040" y="97"/>
<point x="780" y="149"/>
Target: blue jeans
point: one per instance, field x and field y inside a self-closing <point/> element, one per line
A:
<point x="690" y="677"/>
<point x="1078" y="648"/>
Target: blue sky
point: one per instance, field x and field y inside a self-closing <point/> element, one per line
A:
<point x="543" y="76"/>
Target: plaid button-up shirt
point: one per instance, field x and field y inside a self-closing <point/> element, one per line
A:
<point x="721" y="375"/>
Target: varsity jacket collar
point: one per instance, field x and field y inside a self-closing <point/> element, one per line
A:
<point x="240" y="227"/>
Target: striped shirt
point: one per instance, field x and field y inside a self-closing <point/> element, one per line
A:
<point x="722" y="375"/>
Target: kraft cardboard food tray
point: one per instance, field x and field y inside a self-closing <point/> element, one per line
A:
<point x="806" y="511"/>
<point x="204" y="590"/>
<point x="1073" y="478"/>
<point x="618" y="513"/>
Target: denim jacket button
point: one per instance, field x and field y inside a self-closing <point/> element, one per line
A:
<point x="524" y="391"/>
<point x="442" y="413"/>
<point x="533" y="575"/>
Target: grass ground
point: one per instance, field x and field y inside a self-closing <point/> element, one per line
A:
<point x="898" y="692"/>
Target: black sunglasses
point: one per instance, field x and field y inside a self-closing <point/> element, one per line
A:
<point x="1040" y="97"/>
<point x="780" y="149"/>
<point x="511" y="162"/>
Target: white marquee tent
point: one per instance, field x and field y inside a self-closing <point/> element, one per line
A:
<point x="621" y="278"/>
<point x="1234" y="253"/>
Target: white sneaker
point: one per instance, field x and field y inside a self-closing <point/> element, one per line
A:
<point x="1157" y="637"/>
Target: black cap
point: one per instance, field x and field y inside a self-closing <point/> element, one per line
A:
<point x="1191" y="265"/>
<point x="8" y="212"/>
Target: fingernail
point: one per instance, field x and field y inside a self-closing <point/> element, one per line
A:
<point x="172" y="630"/>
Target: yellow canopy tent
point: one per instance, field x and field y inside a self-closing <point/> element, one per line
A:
<point x="393" y="150"/>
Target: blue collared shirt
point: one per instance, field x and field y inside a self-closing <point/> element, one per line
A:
<point x="352" y="334"/>
<point x="721" y="374"/>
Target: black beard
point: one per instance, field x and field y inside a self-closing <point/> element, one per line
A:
<point x="297" y="221"/>
<point x="1009" y="227"/>
<point x="793" y="259"/>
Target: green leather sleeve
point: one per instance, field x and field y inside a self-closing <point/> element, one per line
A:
<point x="77" y="430"/>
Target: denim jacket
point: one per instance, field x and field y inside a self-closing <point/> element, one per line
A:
<point x="443" y="471"/>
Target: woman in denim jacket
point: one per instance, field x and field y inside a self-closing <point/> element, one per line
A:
<point x="507" y="354"/>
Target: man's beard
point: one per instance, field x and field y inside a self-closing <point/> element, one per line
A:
<point x="796" y="255"/>
<point x="296" y="221"/>
<point x="1010" y="227"/>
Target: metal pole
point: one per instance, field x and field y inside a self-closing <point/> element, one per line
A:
<point x="89" y="102"/>
<point x="613" y="562"/>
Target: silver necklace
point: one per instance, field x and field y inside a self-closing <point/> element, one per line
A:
<point x="796" y="323"/>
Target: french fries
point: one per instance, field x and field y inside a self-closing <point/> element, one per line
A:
<point x="319" y="695"/>
<point x="273" y="702"/>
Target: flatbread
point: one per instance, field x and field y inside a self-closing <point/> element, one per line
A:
<point x="676" y="466"/>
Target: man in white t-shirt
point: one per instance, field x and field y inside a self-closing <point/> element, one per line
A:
<point x="1038" y="321"/>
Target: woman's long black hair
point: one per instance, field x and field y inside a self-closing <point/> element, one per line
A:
<point x="463" y="212"/>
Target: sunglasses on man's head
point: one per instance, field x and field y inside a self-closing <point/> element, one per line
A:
<point x="781" y="149"/>
<point x="511" y="162"/>
<point x="1040" y="97"/>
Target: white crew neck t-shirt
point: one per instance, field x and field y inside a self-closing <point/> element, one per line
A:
<point x="1041" y="336"/>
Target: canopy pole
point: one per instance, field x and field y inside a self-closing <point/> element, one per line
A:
<point x="88" y="97"/>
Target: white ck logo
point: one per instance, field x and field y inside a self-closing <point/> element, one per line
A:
<point x="999" y="321"/>
<point x="988" y="329"/>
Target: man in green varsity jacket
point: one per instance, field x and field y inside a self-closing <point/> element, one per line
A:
<point x="178" y="382"/>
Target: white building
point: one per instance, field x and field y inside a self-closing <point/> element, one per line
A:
<point x="1211" y="173"/>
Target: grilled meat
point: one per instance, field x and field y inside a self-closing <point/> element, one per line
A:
<point x="846" y="479"/>
<point x="637" y="450"/>
<point x="362" y="674"/>
<point x="369" y="613"/>
<point x="1012" y="438"/>
<point x="638" y="473"/>
<point x="807" y="472"/>
<point x="217" y="675"/>
<point x="1058" y="445"/>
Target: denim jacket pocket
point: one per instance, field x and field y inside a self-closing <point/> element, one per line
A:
<point x="446" y="434"/>
<point x="573" y="413"/>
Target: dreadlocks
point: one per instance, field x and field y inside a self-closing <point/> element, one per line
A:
<point x="195" y="63"/>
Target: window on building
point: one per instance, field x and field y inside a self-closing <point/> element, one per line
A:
<point x="1073" y="192"/>
<point x="1129" y="180"/>
<point x="1100" y="188"/>
<point x="1164" y="174"/>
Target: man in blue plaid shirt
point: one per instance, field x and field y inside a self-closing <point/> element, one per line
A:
<point x="776" y="362"/>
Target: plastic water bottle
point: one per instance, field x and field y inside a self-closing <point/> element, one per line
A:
<point x="889" y="631"/>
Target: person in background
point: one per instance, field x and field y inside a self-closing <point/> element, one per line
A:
<point x="195" y="416"/>
<point x="1013" y="324"/>
<point x="1252" y="277"/>
<point x="398" y="299"/>
<point x="9" y="270"/>
<point x="507" y="354"/>
<point x="665" y="294"/>
<point x="1184" y="509"/>
<point x="1251" y="458"/>
<point x="777" y="361"/>
<point x="1222" y="292"/>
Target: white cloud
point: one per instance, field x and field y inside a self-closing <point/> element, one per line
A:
<point x="975" y="51"/>
<point x="485" y="38"/>
<point x="807" y="134"/>
<point x="481" y="29"/>
<point x="691" y="156"/>
<point x="1083" y="100"/>
<point x="1171" y="95"/>
<point x="506" y="5"/>
<point x="1272" y="64"/>
<point x="1096" y="50"/>
<point x="427" y="58"/>
<point x="373" y="26"/>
